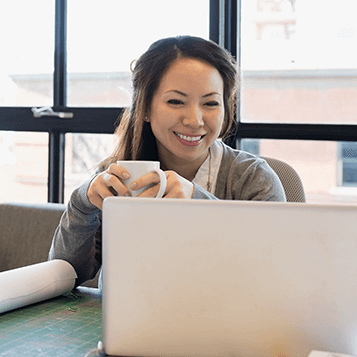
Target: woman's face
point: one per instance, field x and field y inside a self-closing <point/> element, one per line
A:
<point x="187" y="111"/>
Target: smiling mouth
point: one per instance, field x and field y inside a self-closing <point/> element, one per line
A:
<point x="189" y="138"/>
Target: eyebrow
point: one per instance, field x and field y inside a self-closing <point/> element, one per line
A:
<point x="185" y="95"/>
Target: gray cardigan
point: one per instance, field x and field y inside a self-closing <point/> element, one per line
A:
<point x="78" y="237"/>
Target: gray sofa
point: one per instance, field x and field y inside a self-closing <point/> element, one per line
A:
<point x="26" y="231"/>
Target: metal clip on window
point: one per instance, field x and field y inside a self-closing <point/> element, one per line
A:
<point x="48" y="111"/>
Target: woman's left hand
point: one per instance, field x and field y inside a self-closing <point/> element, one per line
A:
<point x="177" y="186"/>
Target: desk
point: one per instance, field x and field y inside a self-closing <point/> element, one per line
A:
<point x="66" y="326"/>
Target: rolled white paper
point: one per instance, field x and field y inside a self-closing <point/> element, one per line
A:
<point x="33" y="283"/>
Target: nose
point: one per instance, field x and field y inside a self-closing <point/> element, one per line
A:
<point x="193" y="117"/>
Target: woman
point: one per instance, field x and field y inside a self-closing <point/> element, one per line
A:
<point x="184" y="96"/>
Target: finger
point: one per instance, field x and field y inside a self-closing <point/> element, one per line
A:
<point x="97" y="195"/>
<point x="118" y="171"/>
<point x="146" y="180"/>
<point x="177" y="186"/>
<point x="150" y="192"/>
<point x="115" y="186"/>
<point x="105" y="185"/>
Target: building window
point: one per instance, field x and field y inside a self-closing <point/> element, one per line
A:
<point x="250" y="145"/>
<point x="348" y="164"/>
<point x="275" y="19"/>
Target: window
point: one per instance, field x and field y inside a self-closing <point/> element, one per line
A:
<point x="299" y="80"/>
<point x="348" y="164"/>
<point x="83" y="154"/>
<point x="23" y="166"/>
<point x="276" y="19"/>
<point x="91" y="79"/>
<point x="327" y="177"/>
<point x="251" y="145"/>
<point x="100" y="51"/>
<point x="27" y="53"/>
<point x="299" y="62"/>
<point x="104" y="40"/>
<point x="27" y="43"/>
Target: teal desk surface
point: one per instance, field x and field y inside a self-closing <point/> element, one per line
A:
<point x="66" y="326"/>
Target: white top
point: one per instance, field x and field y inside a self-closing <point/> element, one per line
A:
<point x="201" y="177"/>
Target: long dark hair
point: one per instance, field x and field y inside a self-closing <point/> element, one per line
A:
<point x="136" y="139"/>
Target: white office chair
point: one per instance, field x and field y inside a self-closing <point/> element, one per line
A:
<point x="292" y="184"/>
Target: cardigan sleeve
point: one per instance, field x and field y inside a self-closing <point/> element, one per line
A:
<point x="200" y="193"/>
<point x="262" y="184"/>
<point x="250" y="178"/>
<point x="246" y="177"/>
<point x="77" y="238"/>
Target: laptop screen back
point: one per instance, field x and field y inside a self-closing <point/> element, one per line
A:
<point x="228" y="278"/>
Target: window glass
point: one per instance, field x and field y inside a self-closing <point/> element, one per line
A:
<point x="299" y="63"/>
<point x="27" y="42"/>
<point x="328" y="169"/>
<point x="251" y="145"/>
<point x="83" y="154"/>
<point x="104" y="39"/>
<point x="23" y="166"/>
<point x="348" y="164"/>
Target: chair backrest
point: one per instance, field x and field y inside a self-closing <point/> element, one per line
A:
<point x="291" y="181"/>
<point x="26" y="232"/>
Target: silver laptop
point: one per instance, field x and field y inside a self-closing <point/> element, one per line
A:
<point x="228" y="278"/>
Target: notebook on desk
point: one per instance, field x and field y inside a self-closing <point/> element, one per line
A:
<point x="228" y="278"/>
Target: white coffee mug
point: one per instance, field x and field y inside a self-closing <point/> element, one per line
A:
<point x="138" y="169"/>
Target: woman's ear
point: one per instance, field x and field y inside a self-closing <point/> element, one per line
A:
<point x="147" y="119"/>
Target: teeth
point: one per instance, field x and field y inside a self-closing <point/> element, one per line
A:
<point x="189" y="138"/>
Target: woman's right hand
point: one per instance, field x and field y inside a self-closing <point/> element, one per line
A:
<point x="108" y="184"/>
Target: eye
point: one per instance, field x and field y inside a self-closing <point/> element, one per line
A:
<point x="212" y="103"/>
<point x="175" y="101"/>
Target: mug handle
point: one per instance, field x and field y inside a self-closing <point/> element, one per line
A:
<point x="163" y="182"/>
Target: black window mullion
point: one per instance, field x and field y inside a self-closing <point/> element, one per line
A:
<point x="316" y="132"/>
<point x="56" y="159"/>
<point x="225" y="30"/>
<point x="60" y="59"/>
<point x="232" y="27"/>
<point x="214" y="20"/>
<point x="224" y="25"/>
